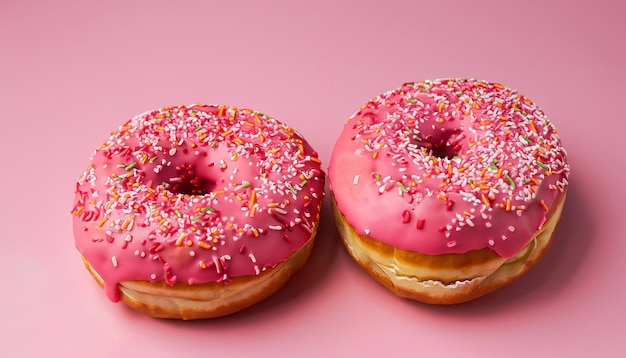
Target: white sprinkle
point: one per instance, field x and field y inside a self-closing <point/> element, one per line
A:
<point x="503" y="237"/>
<point x="172" y="151"/>
<point x="153" y="276"/>
<point x="192" y="253"/>
<point x="367" y="231"/>
<point x="114" y="261"/>
<point x="491" y="242"/>
<point x="252" y="258"/>
<point x="512" y="228"/>
<point x="488" y="224"/>
<point x="355" y="181"/>
<point x="275" y="227"/>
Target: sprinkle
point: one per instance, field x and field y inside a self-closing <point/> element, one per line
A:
<point x="114" y="261"/>
<point x="130" y="166"/>
<point x="402" y="187"/>
<point x="542" y="165"/>
<point x="420" y="224"/>
<point x="511" y="182"/>
<point x="207" y="208"/>
<point x="252" y="198"/>
<point x="406" y="216"/>
<point x="355" y="181"/>
<point x="543" y="205"/>
<point x="291" y="188"/>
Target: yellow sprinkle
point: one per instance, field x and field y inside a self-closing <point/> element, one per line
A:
<point x="78" y="210"/>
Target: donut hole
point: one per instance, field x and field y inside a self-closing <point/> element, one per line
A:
<point x="442" y="144"/>
<point x="188" y="181"/>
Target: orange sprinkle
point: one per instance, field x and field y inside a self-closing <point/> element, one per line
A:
<point x="273" y="205"/>
<point x="252" y="198"/>
<point x="78" y="210"/>
<point x="532" y="126"/>
<point x="180" y="239"/>
<point x="221" y="111"/>
<point x="543" y="205"/>
<point x="315" y="160"/>
<point x="102" y="221"/>
<point x="202" y="264"/>
<point x="255" y="232"/>
<point x="485" y="200"/>
<point x="375" y="155"/>
<point x="499" y="173"/>
<point x="483" y="171"/>
<point x="204" y="245"/>
<point x="508" y="204"/>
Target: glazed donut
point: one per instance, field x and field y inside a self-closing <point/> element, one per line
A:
<point x="197" y="211"/>
<point x="446" y="190"/>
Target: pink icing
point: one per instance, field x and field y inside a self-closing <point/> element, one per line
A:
<point x="196" y="194"/>
<point x="448" y="166"/>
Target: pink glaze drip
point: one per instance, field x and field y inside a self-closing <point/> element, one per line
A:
<point x="448" y="166"/>
<point x="196" y="194"/>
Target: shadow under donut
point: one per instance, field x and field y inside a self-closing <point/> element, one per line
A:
<point x="554" y="272"/>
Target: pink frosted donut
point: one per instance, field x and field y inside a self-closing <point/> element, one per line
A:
<point x="197" y="211"/>
<point x="446" y="190"/>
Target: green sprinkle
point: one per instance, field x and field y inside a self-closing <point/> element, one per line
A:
<point x="151" y="160"/>
<point x="208" y="208"/>
<point x="195" y="218"/>
<point x="526" y="181"/>
<point x="377" y="177"/>
<point x="402" y="187"/>
<point x="121" y="165"/>
<point x="527" y="139"/>
<point x="411" y="100"/>
<point x="510" y="180"/>
<point x="245" y="184"/>
<point x="168" y="114"/>
<point x="130" y="166"/>
<point x="177" y="212"/>
<point x="409" y="84"/>
<point x="542" y="165"/>
<point x="214" y="144"/>
<point x="303" y="182"/>
<point x="198" y="128"/>
<point x="291" y="189"/>
<point x="476" y="92"/>
<point x="417" y="138"/>
<point x="459" y="94"/>
<point x="493" y="166"/>
<point x="117" y="178"/>
<point x="424" y="90"/>
<point x="524" y="113"/>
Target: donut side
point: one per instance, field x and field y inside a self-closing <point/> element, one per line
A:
<point x="207" y="300"/>
<point x="444" y="279"/>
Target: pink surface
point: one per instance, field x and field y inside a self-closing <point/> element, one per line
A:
<point x="70" y="73"/>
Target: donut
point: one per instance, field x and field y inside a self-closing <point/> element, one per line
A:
<point x="197" y="211"/>
<point x="446" y="190"/>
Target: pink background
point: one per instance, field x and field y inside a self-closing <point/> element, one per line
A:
<point x="71" y="72"/>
